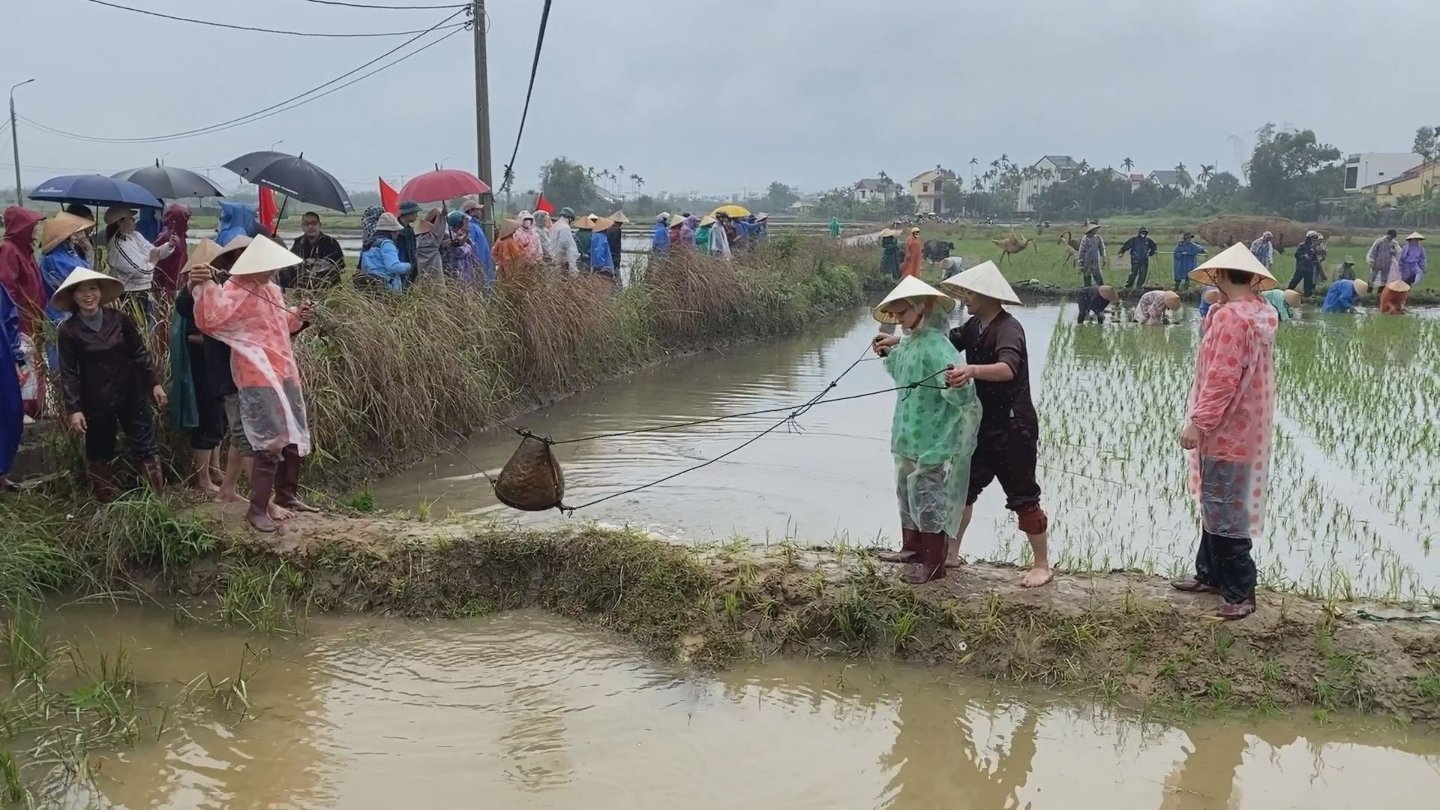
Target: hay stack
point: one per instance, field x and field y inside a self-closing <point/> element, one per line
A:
<point x="1226" y="230"/>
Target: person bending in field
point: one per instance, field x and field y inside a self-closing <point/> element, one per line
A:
<point x="1344" y="295"/>
<point x="1155" y="307"/>
<point x="1093" y="301"/>
<point x="1393" y="298"/>
<point x="1285" y="302"/>
<point x="1228" y="431"/>
<point x="932" y="436"/>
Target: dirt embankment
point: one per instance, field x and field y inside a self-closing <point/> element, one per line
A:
<point x="1118" y="636"/>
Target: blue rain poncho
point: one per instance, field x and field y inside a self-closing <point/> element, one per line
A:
<point x="600" y="259"/>
<point x="12" y="407"/>
<point x="932" y="436"/>
<point x="1341" y="297"/>
<point x="236" y="219"/>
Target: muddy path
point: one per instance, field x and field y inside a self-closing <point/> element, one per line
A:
<point x="1123" y="637"/>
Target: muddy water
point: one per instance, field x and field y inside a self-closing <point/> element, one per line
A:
<point x="523" y="710"/>
<point x="829" y="479"/>
<point x="1110" y="399"/>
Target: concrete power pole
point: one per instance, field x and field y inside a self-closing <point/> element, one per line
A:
<point x="482" y="115"/>
<point x="15" y="138"/>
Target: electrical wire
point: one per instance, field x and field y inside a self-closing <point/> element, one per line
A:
<point x="382" y="8"/>
<point x="283" y="106"/>
<point x="254" y="29"/>
<point x="534" y="68"/>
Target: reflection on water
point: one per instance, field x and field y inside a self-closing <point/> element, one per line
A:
<point x="830" y="478"/>
<point x="524" y="710"/>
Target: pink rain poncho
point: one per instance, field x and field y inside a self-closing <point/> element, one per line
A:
<point x="1233" y="404"/>
<point x="255" y="322"/>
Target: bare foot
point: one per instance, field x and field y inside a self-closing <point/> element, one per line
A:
<point x="229" y="496"/>
<point x="280" y="513"/>
<point x="1036" y="577"/>
<point x="207" y="488"/>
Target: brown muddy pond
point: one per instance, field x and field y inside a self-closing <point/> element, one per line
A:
<point x="525" y="710"/>
<point x="1347" y="515"/>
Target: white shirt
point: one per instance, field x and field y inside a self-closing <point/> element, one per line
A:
<point x="128" y="259"/>
<point x="563" y="245"/>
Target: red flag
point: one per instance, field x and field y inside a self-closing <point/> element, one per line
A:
<point x="269" y="211"/>
<point x="389" y="197"/>
<point x="542" y="204"/>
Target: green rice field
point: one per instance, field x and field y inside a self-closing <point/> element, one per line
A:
<point x="1354" y="491"/>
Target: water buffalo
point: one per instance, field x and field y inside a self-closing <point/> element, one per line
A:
<point x="934" y="250"/>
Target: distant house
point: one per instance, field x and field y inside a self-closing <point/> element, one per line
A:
<point x="1048" y="171"/>
<point x="802" y="207"/>
<point x="1169" y="178"/>
<point x="1412" y="183"/>
<point x="928" y="189"/>
<point x="1366" y="169"/>
<point x="879" y="189"/>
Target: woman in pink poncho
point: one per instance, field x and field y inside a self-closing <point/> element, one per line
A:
<point x="1232" y="410"/>
<point x="248" y="313"/>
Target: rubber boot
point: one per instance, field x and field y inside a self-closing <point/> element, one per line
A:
<point x="262" y="483"/>
<point x="930" y="561"/>
<point x="154" y="474"/>
<point x="287" y="483"/>
<point x="101" y="478"/>
<point x="909" y="548"/>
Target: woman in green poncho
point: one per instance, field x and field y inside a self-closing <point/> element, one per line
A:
<point x="890" y="253"/>
<point x="933" y="433"/>
<point x="834" y="227"/>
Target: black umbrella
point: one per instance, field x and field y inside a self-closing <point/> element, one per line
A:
<point x="294" y="177"/>
<point x="170" y="183"/>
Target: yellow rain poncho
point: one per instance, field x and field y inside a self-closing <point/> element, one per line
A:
<point x="933" y="433"/>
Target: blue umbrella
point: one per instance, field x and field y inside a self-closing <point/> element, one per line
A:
<point x="94" y="189"/>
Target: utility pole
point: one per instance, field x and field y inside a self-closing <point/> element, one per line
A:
<point x="482" y="114"/>
<point x="15" y="138"/>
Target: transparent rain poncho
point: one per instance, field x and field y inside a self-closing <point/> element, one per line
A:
<point x="933" y="433"/>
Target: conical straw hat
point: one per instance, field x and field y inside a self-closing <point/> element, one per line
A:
<point x="64" y="297"/>
<point x="707" y="220"/>
<point x="602" y="224"/>
<point x="507" y="227"/>
<point x="1398" y="286"/>
<point x="263" y="255"/>
<point x="1414" y="235"/>
<point x="619" y="216"/>
<point x="984" y="279"/>
<point x="207" y="250"/>
<point x="1172" y="299"/>
<point x="61" y="227"/>
<point x="1235" y="257"/>
<point x="912" y="287"/>
<point x="1292" y="298"/>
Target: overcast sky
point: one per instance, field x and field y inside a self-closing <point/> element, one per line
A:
<point x="726" y="97"/>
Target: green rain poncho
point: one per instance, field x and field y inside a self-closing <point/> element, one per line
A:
<point x="933" y="433"/>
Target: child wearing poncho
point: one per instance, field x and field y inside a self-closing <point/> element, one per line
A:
<point x="932" y="435"/>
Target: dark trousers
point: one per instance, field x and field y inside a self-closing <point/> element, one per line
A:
<point x="1138" y="272"/>
<point x="1225" y="564"/>
<point x="1093" y="278"/>
<point x="102" y="428"/>
<point x="1305" y="276"/>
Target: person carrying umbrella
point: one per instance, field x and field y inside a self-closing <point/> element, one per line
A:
<point x="322" y="257"/>
<point x="107" y="380"/>
<point x="131" y="258"/>
<point x="177" y="230"/>
<point x="249" y="314"/>
<point x="381" y="261"/>
<point x="404" y="239"/>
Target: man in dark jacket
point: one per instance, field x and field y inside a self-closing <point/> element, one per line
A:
<point x="1140" y="247"/>
<point x="405" y="239"/>
<point x="324" y="258"/>
<point x="1307" y="264"/>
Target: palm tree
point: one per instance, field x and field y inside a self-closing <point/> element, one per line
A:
<point x="1207" y="171"/>
<point x="974" y="161"/>
<point x="1128" y="164"/>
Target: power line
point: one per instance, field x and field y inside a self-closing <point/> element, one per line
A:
<point x="382" y="8"/>
<point x="534" y="68"/>
<point x="265" y="112"/>
<point x="279" y="31"/>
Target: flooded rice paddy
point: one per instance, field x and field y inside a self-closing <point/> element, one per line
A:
<point x="525" y="710"/>
<point x="1354" y="489"/>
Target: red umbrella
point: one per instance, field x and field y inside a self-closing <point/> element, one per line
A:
<point x="442" y="184"/>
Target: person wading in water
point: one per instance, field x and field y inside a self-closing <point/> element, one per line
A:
<point x="1228" y="432"/>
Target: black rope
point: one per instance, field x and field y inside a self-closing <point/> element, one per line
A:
<point x="254" y="29"/>
<point x="534" y="68"/>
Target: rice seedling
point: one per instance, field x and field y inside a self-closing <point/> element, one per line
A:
<point x="261" y="598"/>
